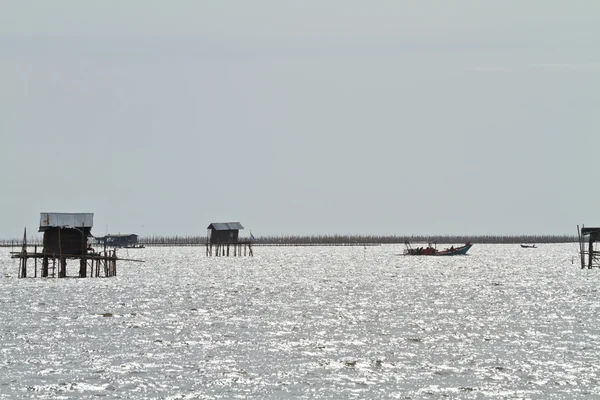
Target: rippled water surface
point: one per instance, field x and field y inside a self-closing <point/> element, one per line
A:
<point x="307" y="323"/>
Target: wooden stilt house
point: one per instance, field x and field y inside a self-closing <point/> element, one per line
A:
<point x="66" y="238"/>
<point x="224" y="236"/>
<point x="127" y="240"/>
<point x="66" y="234"/>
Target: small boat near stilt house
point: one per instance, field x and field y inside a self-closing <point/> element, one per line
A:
<point x="433" y="251"/>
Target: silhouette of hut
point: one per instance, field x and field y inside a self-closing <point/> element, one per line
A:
<point x="224" y="232"/>
<point x="66" y="233"/>
<point x="226" y="235"/>
<point x="119" y="240"/>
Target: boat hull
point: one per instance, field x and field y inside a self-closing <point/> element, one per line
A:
<point x="430" y="251"/>
<point x="459" y="251"/>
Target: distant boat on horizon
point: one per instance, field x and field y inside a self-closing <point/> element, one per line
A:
<point x="528" y="246"/>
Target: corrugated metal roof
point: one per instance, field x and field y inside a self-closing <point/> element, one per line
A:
<point x="79" y="220"/>
<point x="225" y="226"/>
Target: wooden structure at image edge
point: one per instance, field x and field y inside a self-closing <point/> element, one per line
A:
<point x="223" y="238"/>
<point x="591" y="255"/>
<point x="67" y="242"/>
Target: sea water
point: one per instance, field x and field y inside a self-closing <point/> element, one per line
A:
<point x="307" y="323"/>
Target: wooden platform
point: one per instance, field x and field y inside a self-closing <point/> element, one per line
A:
<point x="99" y="264"/>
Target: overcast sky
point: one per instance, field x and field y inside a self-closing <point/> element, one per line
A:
<point x="301" y="117"/>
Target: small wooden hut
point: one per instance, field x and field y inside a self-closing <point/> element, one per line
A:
<point x="589" y="236"/>
<point x="66" y="234"/>
<point x="226" y="235"/>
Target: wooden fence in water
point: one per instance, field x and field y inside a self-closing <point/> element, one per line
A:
<point x="335" y="240"/>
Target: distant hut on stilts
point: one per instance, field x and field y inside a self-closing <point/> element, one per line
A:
<point x="126" y="240"/>
<point x="223" y="236"/>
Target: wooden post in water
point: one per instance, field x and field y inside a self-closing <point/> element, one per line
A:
<point x="581" y="244"/>
<point x="83" y="267"/>
<point x="23" y="259"/>
<point x="115" y="263"/>
<point x="59" y="255"/>
<point x="44" y="266"/>
<point x="23" y="266"/>
<point x="591" y="251"/>
<point x="105" y="261"/>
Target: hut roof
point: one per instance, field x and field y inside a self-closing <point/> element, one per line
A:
<point x="65" y="220"/>
<point x="115" y="235"/>
<point x="225" y="226"/>
<point x="589" y="230"/>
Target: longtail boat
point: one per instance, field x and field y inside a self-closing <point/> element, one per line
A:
<point x="432" y="251"/>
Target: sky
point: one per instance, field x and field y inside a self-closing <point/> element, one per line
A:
<point x="301" y="117"/>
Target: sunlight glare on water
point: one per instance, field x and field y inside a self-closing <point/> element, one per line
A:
<point x="306" y="323"/>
